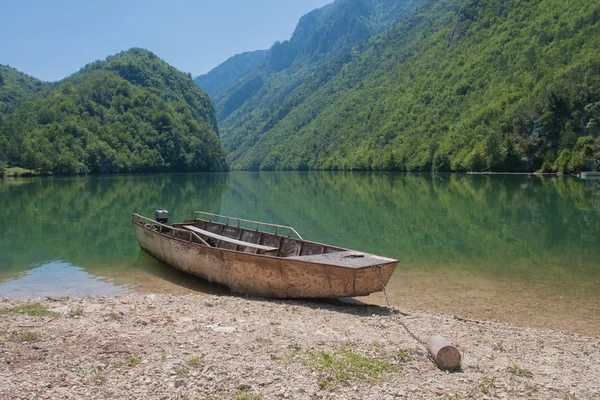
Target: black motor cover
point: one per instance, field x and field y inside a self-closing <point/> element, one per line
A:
<point x="161" y="216"/>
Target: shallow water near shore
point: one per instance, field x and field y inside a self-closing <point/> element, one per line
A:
<point x="521" y="249"/>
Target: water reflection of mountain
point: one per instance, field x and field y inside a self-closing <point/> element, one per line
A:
<point x="509" y="225"/>
<point x="504" y="224"/>
<point x="86" y="220"/>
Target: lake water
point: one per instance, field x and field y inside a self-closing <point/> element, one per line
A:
<point x="522" y="249"/>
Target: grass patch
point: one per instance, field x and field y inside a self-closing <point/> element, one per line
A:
<point x="532" y="388"/>
<point x="264" y="341"/>
<point x="187" y="397"/>
<point x="344" y="365"/>
<point x="516" y="370"/>
<point x="195" y="362"/>
<point x="184" y="372"/>
<point x="484" y="386"/>
<point x="28" y="336"/>
<point x="246" y="394"/>
<point x="33" y="310"/>
<point x="404" y="355"/>
<point x="292" y="356"/>
<point x="133" y="361"/>
<point x="114" y="315"/>
<point x="98" y="379"/>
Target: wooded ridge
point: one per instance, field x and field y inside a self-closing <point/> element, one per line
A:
<point x="130" y="113"/>
<point x="472" y="85"/>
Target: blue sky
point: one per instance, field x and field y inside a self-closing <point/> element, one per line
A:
<point x="53" y="39"/>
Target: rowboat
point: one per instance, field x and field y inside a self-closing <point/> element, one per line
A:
<point x="262" y="259"/>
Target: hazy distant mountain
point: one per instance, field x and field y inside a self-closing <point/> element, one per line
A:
<point x="130" y="113"/>
<point x="319" y="36"/>
<point x="230" y="71"/>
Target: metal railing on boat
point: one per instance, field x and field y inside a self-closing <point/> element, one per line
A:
<point x="237" y="222"/>
<point x="167" y="230"/>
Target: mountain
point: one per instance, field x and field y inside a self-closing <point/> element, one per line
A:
<point x="16" y="87"/>
<point x="473" y="85"/>
<point x="230" y="71"/>
<point x="320" y="36"/>
<point x="130" y="113"/>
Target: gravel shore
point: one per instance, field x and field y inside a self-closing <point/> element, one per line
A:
<point x="230" y="347"/>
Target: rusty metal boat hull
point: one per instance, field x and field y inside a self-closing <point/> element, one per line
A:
<point x="309" y="276"/>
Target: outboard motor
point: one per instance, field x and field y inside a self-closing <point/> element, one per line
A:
<point x="161" y="216"/>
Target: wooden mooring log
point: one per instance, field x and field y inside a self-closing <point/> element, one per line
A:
<point x="445" y="355"/>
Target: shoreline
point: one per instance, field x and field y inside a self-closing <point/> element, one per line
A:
<point x="569" y="306"/>
<point x="34" y="174"/>
<point x="222" y="347"/>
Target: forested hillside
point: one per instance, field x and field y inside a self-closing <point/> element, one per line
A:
<point x="499" y="85"/>
<point x="319" y="36"/>
<point x="16" y="87"/>
<point x="130" y="113"/>
<point x="230" y="71"/>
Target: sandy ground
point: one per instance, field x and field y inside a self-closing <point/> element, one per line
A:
<point x="228" y="347"/>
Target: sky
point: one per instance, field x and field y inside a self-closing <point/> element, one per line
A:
<point x="51" y="40"/>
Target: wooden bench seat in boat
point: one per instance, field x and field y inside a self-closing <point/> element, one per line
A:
<point x="230" y="240"/>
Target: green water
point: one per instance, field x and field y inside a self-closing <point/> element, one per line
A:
<point x="72" y="236"/>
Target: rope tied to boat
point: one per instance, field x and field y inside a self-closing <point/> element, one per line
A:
<point x="393" y="311"/>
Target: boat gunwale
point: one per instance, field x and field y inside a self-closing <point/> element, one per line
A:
<point x="385" y="261"/>
<point x="240" y="220"/>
